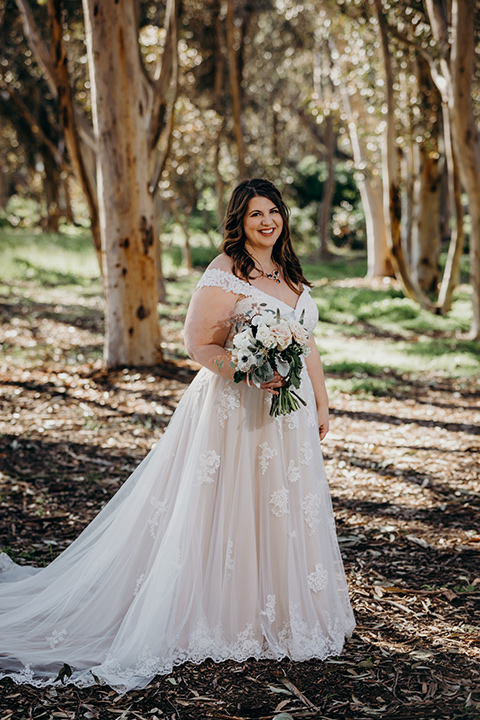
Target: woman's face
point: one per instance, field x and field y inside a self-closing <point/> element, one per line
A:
<point x="262" y="223"/>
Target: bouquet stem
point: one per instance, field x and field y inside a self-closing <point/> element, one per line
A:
<point x="285" y="402"/>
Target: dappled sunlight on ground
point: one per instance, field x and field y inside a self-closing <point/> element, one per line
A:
<point x="402" y="457"/>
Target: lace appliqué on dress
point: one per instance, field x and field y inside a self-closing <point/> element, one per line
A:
<point x="209" y="464"/>
<point x="160" y="507"/>
<point x="318" y="579"/>
<point x="198" y="385"/>
<point x="332" y="528"/>
<point x="229" y="561"/>
<point x="311" y="507"/>
<point x="269" y="611"/>
<point x="312" y="417"/>
<point x="279" y="502"/>
<point x="25" y="675"/>
<point x="138" y="584"/>
<point x="307" y="454"/>
<point x="293" y="472"/>
<point x="291" y="420"/>
<point x="265" y="456"/>
<point x="230" y="401"/>
<point x="56" y="638"/>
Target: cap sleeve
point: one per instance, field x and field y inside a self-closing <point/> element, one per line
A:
<point x="214" y="277"/>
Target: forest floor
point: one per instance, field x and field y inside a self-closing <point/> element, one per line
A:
<point x="403" y="466"/>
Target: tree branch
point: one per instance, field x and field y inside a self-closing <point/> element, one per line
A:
<point x="167" y="76"/>
<point x="67" y="114"/>
<point x="42" y="55"/>
<point x="36" y="130"/>
<point x="37" y="44"/>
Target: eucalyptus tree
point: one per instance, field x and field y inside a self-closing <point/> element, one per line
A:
<point x="443" y="37"/>
<point x="120" y="159"/>
<point x="455" y="32"/>
<point x="28" y="110"/>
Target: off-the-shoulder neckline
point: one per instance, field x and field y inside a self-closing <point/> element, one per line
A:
<point x="269" y="295"/>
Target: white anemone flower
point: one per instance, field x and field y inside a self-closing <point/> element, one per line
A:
<point x="245" y="360"/>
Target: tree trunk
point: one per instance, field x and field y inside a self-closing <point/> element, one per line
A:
<point x="466" y="135"/>
<point x="65" y="200"/>
<point x="219" y="185"/>
<point x="426" y="228"/>
<point x="325" y="208"/>
<point x="428" y="186"/>
<point x="186" y="249"/>
<point x="457" y="238"/>
<point x="235" y="89"/>
<point x="371" y="189"/>
<point x="126" y="216"/>
<point x="392" y="178"/>
<point x="52" y="197"/>
<point x="3" y="187"/>
<point x="218" y="95"/>
<point x="158" y="209"/>
<point x="410" y="169"/>
<point x="69" y="121"/>
<point x="161" y="287"/>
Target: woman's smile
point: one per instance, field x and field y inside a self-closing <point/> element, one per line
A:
<point x="263" y="223"/>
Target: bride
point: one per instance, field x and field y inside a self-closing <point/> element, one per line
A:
<point x="222" y="542"/>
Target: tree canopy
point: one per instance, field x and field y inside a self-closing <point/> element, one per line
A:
<point x="358" y="110"/>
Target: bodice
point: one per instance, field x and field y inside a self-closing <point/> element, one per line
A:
<point x="251" y="297"/>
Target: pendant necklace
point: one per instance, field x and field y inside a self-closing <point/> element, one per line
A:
<point x="274" y="275"/>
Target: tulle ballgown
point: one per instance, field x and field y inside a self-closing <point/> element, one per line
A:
<point x="220" y="545"/>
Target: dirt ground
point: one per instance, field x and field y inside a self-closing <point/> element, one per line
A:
<point x="404" y="473"/>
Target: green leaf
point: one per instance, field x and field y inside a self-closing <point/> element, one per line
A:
<point x="282" y="366"/>
<point x="65" y="672"/>
<point x="283" y="716"/>
<point x="282" y="691"/>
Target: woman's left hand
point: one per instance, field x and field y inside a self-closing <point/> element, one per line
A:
<point x="273" y="385"/>
<point x="323" y="423"/>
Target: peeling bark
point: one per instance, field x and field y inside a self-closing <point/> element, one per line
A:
<point x="430" y="161"/>
<point x="391" y="165"/>
<point x="466" y="134"/>
<point x="371" y="191"/>
<point x="125" y="206"/>
<point x="426" y="227"/>
<point x="453" y="75"/>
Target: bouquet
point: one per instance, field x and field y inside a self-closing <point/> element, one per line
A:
<point x="267" y="342"/>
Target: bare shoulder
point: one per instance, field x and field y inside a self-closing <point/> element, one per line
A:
<point x="221" y="262"/>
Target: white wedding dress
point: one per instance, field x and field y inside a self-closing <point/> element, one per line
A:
<point x="220" y="545"/>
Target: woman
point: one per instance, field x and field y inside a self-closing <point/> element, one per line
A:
<point x="222" y="543"/>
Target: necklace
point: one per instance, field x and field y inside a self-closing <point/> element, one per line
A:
<point x="274" y="275"/>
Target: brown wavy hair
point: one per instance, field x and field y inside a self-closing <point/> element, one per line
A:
<point x="234" y="236"/>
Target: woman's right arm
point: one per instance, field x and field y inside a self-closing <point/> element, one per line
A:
<point x="207" y="325"/>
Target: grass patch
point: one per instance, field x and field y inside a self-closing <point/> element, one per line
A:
<point x="373" y="341"/>
<point x="48" y="259"/>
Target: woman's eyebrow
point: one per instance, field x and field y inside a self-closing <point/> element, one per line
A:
<point x="274" y="207"/>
